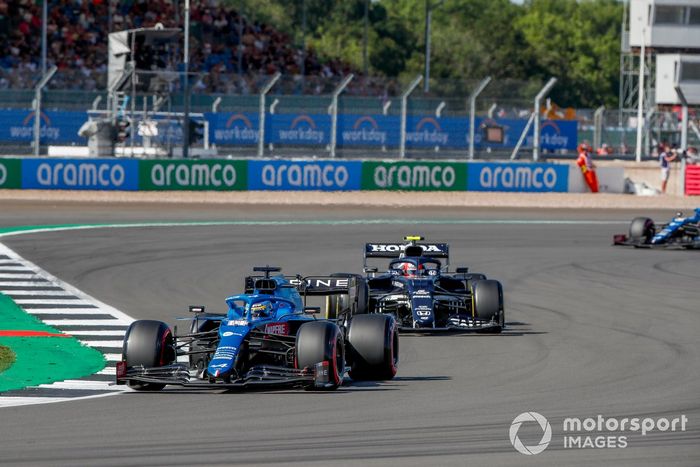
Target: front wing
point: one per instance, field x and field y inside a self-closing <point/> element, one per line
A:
<point x="624" y="240"/>
<point x="258" y="376"/>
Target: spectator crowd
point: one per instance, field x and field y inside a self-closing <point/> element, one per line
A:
<point x="225" y="45"/>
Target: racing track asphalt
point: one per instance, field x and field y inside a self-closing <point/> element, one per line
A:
<point x="592" y="330"/>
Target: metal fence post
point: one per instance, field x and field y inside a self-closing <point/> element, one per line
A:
<point x="472" y="113"/>
<point x="334" y="111"/>
<point x="684" y="135"/>
<point x="37" y="107"/>
<point x="538" y="99"/>
<point x="598" y="126"/>
<point x="404" y="109"/>
<point x="261" y="123"/>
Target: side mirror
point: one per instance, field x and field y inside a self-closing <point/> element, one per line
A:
<point x="196" y="308"/>
<point x="462" y="270"/>
<point x="312" y="310"/>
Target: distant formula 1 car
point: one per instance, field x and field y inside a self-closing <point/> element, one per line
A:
<point x="421" y="294"/>
<point x="681" y="232"/>
<point x="266" y="338"/>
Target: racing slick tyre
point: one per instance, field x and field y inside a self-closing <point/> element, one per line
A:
<point x="487" y="298"/>
<point x="148" y="343"/>
<point x="322" y="341"/>
<point x="373" y="347"/>
<point x="642" y="229"/>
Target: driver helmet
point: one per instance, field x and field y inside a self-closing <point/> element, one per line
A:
<point x="410" y="269"/>
<point x="261" y="309"/>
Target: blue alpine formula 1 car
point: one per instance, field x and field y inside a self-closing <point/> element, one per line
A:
<point x="681" y="232"/>
<point x="423" y="296"/>
<point x="267" y="337"/>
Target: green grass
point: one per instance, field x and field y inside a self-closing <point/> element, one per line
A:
<point x="7" y="358"/>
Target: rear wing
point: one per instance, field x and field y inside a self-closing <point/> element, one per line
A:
<point x="312" y="285"/>
<point x="394" y="250"/>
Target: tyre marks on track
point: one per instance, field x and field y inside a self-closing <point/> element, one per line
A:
<point x="71" y="311"/>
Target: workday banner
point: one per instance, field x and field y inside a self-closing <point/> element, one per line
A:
<point x="55" y="126"/>
<point x="304" y="175"/>
<point x="215" y="175"/>
<point x="525" y="177"/>
<point x="417" y="176"/>
<point x="80" y="174"/>
<point x="10" y="173"/>
<point x="235" y="129"/>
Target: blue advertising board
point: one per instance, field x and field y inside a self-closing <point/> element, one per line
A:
<point x="80" y="174"/>
<point x="354" y="130"/>
<point x="519" y="176"/>
<point x="304" y="175"/>
<point x="299" y="129"/>
<point x="55" y="126"/>
<point x="234" y="129"/>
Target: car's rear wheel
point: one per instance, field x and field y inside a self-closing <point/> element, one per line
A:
<point x="642" y="229"/>
<point x="373" y="347"/>
<point x="322" y="341"/>
<point x="148" y="343"/>
<point x="488" y="303"/>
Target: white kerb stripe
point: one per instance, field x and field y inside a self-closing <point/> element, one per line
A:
<point x="86" y="322"/>
<point x="115" y="332"/>
<point x="66" y="311"/>
<point x="17" y="275"/>
<point x="15" y="268"/>
<point x="110" y="371"/>
<point x="58" y="301"/>
<point x="114" y="344"/>
<point x="113" y="357"/>
<point x="36" y="293"/>
<point x="29" y="285"/>
<point x="82" y="385"/>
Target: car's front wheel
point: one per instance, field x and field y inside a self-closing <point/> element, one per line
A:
<point x="148" y="343"/>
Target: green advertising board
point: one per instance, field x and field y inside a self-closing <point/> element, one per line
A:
<point x="215" y="175"/>
<point x="10" y="173"/>
<point x="417" y="176"/>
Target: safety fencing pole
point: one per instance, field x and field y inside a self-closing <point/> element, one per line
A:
<point x="523" y="135"/>
<point x="598" y="126"/>
<point x="404" y="110"/>
<point x="538" y="100"/>
<point x="37" y="107"/>
<point x="684" y="135"/>
<point x="261" y="123"/>
<point x="472" y="113"/>
<point x="334" y="111"/>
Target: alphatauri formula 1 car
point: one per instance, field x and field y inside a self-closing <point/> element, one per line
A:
<point x="681" y="232"/>
<point x="423" y="296"/>
<point x="267" y="337"/>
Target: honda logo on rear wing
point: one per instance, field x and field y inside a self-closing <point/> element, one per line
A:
<point x="394" y="250"/>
